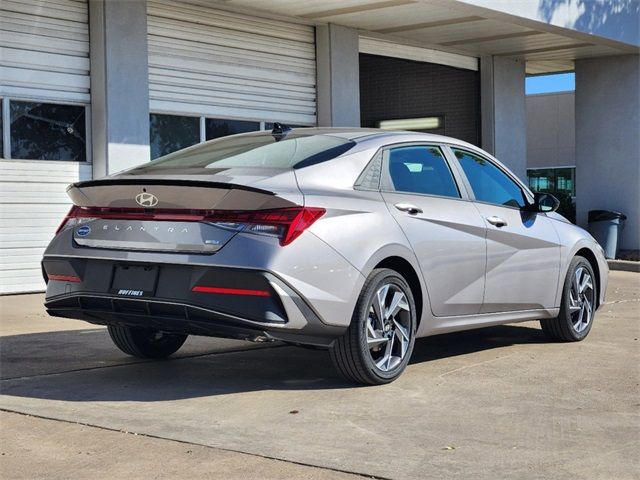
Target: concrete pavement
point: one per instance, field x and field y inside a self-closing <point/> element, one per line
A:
<point x="489" y="403"/>
<point x="36" y="448"/>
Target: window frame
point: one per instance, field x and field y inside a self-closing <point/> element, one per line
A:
<point x="526" y="193"/>
<point x="386" y="183"/>
<point x="202" y="129"/>
<point x="5" y="155"/>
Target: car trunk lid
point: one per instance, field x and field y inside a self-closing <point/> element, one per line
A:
<point x="187" y="214"/>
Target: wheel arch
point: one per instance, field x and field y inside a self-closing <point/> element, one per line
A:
<point x="408" y="272"/>
<point x="591" y="258"/>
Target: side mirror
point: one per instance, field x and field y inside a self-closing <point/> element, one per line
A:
<point x="544" y="202"/>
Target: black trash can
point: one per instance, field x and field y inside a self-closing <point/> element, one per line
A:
<point x="605" y="226"/>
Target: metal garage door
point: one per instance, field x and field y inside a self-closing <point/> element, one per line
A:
<point x="211" y="62"/>
<point x="44" y="76"/>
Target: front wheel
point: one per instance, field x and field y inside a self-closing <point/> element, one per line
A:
<point x="145" y="342"/>
<point x="578" y="305"/>
<point x="378" y="344"/>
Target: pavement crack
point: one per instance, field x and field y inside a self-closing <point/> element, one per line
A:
<point x="477" y="364"/>
<point x="184" y="442"/>
<point x="615" y="302"/>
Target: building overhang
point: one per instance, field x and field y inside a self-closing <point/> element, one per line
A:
<point x="469" y="27"/>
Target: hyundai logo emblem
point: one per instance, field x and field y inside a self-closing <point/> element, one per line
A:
<point x="146" y="199"/>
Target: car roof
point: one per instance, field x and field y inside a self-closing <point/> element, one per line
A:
<point x="361" y="135"/>
<point x="371" y="136"/>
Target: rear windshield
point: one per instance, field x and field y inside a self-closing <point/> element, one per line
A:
<point x="254" y="150"/>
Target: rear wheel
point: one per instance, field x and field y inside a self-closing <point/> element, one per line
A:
<point x="378" y="344"/>
<point x="145" y="342"/>
<point x="578" y="305"/>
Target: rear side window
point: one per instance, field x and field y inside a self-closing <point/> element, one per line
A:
<point x="421" y="169"/>
<point x="258" y="150"/>
<point x="489" y="183"/>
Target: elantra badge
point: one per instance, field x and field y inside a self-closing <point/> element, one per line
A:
<point x="83" y="231"/>
<point x="145" y="199"/>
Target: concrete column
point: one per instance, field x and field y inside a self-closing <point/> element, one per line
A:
<point x="337" y="59"/>
<point x="119" y="85"/>
<point x="504" y="113"/>
<point x="608" y="140"/>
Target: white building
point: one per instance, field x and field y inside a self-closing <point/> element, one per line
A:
<point x="92" y="87"/>
<point x="551" y="144"/>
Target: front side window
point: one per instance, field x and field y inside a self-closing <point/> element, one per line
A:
<point x="421" y="169"/>
<point x="169" y="133"/>
<point x="47" y="131"/>
<point x="489" y="183"/>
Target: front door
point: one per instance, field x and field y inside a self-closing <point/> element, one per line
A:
<point x="445" y="230"/>
<point x="523" y="248"/>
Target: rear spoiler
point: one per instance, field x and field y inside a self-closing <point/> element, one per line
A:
<point x="173" y="194"/>
<point x="142" y="182"/>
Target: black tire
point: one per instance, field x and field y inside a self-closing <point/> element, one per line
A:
<point x="563" y="327"/>
<point x="145" y="342"/>
<point x="351" y="354"/>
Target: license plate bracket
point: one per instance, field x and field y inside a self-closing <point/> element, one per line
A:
<point x="134" y="280"/>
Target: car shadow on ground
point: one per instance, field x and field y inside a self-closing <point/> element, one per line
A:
<point x="80" y="366"/>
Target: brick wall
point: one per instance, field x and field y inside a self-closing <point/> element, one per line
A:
<point x="392" y="88"/>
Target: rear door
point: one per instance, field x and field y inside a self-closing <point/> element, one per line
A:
<point x="444" y="229"/>
<point x="523" y="252"/>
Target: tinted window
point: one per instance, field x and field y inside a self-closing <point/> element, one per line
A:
<point x="46" y="131"/>
<point x="169" y="133"/>
<point x="259" y="150"/>
<point x="269" y="125"/>
<point x="216" y="128"/>
<point x="421" y="169"/>
<point x="553" y="180"/>
<point x="489" y="183"/>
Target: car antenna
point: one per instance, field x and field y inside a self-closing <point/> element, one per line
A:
<point x="280" y="131"/>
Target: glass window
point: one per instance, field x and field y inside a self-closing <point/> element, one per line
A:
<point x="421" y="169"/>
<point x="46" y="131"/>
<point x="553" y="180"/>
<point x="258" y="150"/>
<point x="561" y="183"/>
<point x="269" y="125"/>
<point x="216" y="128"/>
<point x="489" y="183"/>
<point x="169" y="133"/>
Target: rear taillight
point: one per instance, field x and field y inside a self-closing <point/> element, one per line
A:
<point x="77" y="216"/>
<point x="285" y="223"/>
<point x="66" y="219"/>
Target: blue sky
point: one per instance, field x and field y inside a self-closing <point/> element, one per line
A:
<point x="561" y="82"/>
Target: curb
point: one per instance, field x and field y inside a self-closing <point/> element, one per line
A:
<point x="624" y="265"/>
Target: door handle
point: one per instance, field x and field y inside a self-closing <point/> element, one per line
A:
<point x="497" y="221"/>
<point x="407" y="207"/>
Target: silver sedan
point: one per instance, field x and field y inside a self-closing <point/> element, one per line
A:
<point x="357" y="241"/>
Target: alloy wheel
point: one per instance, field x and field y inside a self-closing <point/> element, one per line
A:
<point x="388" y="327"/>
<point x="581" y="299"/>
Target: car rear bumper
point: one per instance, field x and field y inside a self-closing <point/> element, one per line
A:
<point x="199" y="300"/>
